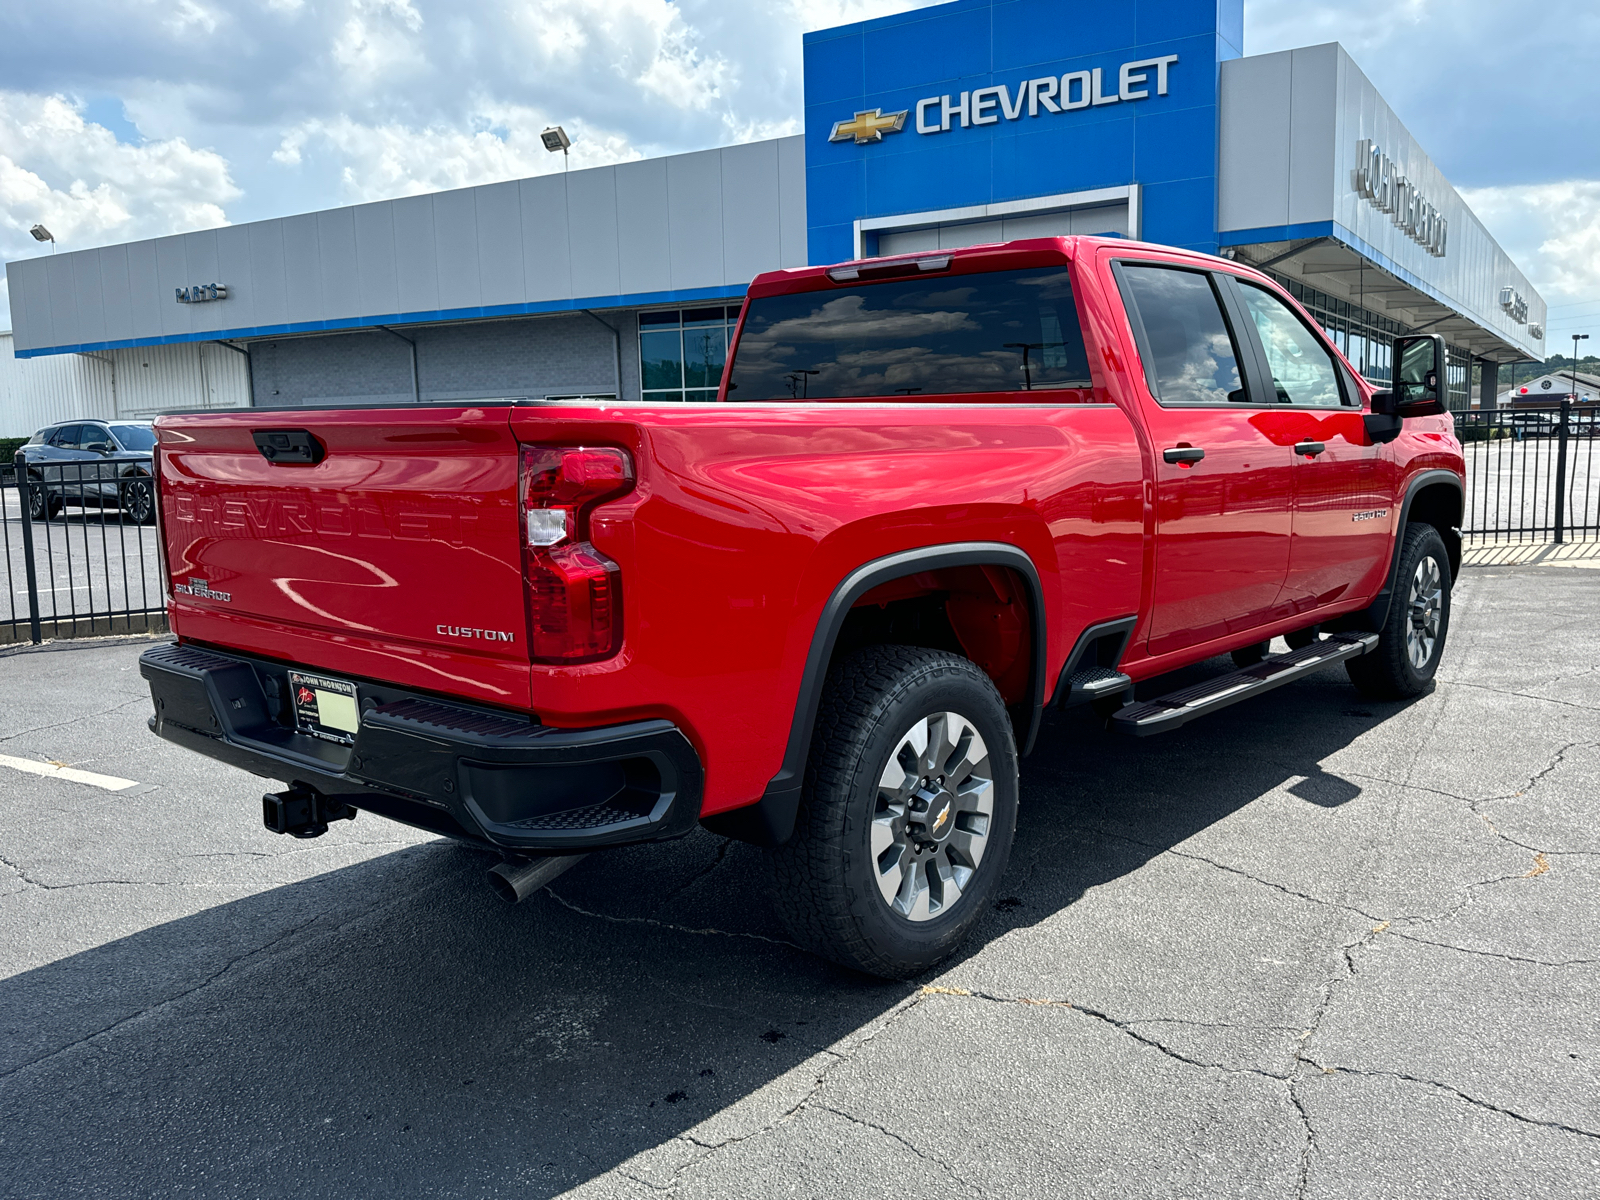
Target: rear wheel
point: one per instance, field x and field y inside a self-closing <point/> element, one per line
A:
<point x="907" y="815"/>
<point x="1249" y="656"/>
<point x="1412" y="639"/>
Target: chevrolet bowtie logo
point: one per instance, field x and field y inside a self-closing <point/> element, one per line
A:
<point x="869" y="126"/>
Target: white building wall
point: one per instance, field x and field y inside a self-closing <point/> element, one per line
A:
<point x="154" y="379"/>
<point x="35" y="392"/>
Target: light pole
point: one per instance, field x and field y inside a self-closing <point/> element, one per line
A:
<point x="555" y="138"/>
<point x="1576" y="338"/>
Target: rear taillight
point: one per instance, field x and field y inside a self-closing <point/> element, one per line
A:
<point x="574" y="592"/>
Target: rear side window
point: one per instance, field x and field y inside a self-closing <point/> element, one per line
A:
<point x="1003" y="331"/>
<point x="135" y="437"/>
<point x="1192" y="357"/>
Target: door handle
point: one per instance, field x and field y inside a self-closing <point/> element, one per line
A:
<point x="1183" y="454"/>
<point x="1310" y="449"/>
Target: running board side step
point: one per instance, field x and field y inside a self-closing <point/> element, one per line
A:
<point x="1179" y="708"/>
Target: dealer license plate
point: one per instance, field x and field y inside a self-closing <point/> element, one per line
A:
<point x="325" y="708"/>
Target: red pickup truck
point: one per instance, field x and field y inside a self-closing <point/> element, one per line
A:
<point x="935" y="495"/>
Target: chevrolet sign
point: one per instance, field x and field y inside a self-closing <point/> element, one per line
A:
<point x="990" y="105"/>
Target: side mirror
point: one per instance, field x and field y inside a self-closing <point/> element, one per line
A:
<point x="1419" y="376"/>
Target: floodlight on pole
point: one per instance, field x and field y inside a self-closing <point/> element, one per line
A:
<point x="555" y="138"/>
<point x="1576" y="338"/>
<point x="41" y="234"/>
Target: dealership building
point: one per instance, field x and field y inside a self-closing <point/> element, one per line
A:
<point x="952" y="125"/>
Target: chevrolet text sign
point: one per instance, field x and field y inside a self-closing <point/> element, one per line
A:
<point x="1074" y="90"/>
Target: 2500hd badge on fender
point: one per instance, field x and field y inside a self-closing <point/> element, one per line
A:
<point x="824" y="613"/>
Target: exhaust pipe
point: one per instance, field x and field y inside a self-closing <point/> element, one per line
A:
<point x="516" y="879"/>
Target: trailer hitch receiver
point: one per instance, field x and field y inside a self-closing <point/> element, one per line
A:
<point x="303" y="812"/>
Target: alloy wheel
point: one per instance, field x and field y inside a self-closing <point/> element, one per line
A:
<point x="139" y="501"/>
<point x="1425" y="609"/>
<point x="935" y="805"/>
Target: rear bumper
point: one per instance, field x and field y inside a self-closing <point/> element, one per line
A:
<point x="468" y="773"/>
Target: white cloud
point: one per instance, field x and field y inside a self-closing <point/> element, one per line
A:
<point x="88" y="189"/>
<point x="824" y="14"/>
<point x="379" y="161"/>
<point x="1552" y="231"/>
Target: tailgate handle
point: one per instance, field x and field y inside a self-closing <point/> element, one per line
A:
<point x="286" y="446"/>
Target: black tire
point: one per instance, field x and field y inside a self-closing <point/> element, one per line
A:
<point x="43" y="505"/>
<point x="139" y="500"/>
<point x="1249" y="656"/>
<point x="1301" y="638"/>
<point x="1391" y="672"/>
<point x="829" y="886"/>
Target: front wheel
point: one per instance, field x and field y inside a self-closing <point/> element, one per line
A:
<point x="42" y="505"/>
<point x="907" y="815"/>
<point x="1411" y="641"/>
<point x="139" y="501"/>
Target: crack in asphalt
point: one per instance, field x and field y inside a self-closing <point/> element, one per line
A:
<point x="21" y="873"/>
<point x="74" y="720"/>
<point x="1466" y="1097"/>
<point x="1233" y="870"/>
<point x="1517" y="958"/>
<point x="263" y="950"/>
<point x="722" y="853"/>
<point x="883" y="1025"/>
<point x="160" y="1004"/>
<point x="908" y="1144"/>
<point x="710" y="932"/>
<point x="1308" y="1151"/>
<point x="1483" y="687"/>
<point x="1122" y="1025"/>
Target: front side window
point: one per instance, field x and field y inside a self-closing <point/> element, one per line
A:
<point x="1302" y="369"/>
<point x="66" y="438"/>
<point x="1193" y="358"/>
<point x="682" y="351"/>
<point x="1001" y="331"/>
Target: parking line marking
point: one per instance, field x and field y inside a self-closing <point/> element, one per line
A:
<point x="109" y="783"/>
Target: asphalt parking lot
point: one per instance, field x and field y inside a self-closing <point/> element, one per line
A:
<point x="1312" y="946"/>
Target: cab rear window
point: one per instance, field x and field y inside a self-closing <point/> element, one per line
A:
<point x="1003" y="331"/>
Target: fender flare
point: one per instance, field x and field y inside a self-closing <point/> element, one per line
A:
<point x="770" y="820"/>
<point x="1376" y="614"/>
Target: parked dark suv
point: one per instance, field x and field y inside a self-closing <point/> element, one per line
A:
<point x="98" y="464"/>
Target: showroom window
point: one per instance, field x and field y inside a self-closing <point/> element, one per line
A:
<point x="682" y="351"/>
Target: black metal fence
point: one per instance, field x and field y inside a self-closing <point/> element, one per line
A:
<point x="82" y="557"/>
<point x="1530" y="474"/>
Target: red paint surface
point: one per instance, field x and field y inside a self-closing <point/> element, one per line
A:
<point x="744" y="519"/>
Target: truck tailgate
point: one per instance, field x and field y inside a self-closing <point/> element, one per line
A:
<point x="396" y="556"/>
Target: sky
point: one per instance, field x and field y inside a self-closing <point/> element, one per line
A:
<point x="126" y="119"/>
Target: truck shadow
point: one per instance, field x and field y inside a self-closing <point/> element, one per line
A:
<point x="393" y="1028"/>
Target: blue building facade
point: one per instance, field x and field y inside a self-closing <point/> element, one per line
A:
<point x="1154" y="126"/>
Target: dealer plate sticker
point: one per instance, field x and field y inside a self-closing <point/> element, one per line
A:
<point x="325" y="708"/>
